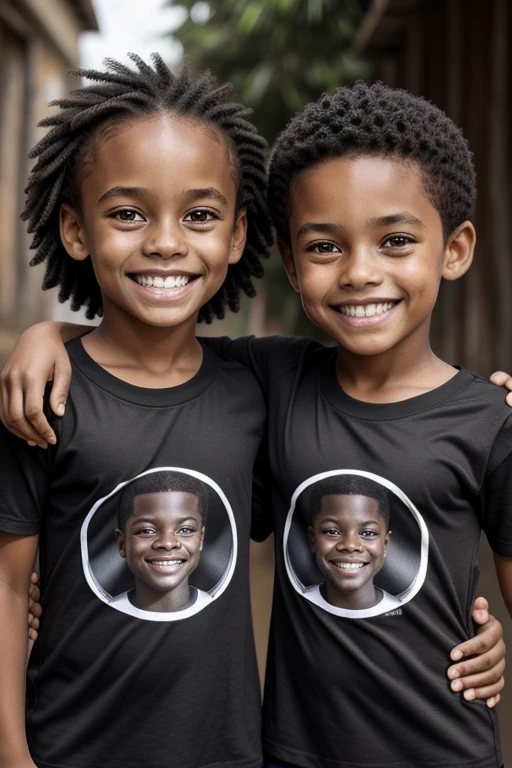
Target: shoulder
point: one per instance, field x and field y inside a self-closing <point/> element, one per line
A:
<point x="269" y="357"/>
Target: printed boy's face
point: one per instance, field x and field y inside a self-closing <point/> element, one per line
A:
<point x="349" y="539"/>
<point x="162" y="540"/>
<point x="367" y="252"/>
<point x="158" y="218"/>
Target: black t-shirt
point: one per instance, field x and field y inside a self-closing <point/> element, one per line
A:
<point x="110" y="684"/>
<point x="368" y="688"/>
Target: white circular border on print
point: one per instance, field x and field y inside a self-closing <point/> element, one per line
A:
<point x="202" y="600"/>
<point x="378" y="609"/>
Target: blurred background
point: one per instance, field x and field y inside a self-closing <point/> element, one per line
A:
<point x="280" y="54"/>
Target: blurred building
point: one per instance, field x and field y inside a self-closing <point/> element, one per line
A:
<point x="38" y="47"/>
<point x="458" y="54"/>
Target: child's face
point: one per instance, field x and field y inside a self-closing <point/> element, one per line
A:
<point x="158" y="218"/>
<point x="367" y="252"/>
<point x="349" y="539"/>
<point x="163" y="539"/>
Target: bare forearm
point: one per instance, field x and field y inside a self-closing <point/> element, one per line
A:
<point x="13" y="658"/>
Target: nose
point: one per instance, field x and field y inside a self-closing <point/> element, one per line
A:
<point x="361" y="267"/>
<point x="164" y="238"/>
<point x="350" y="542"/>
<point x="167" y="540"/>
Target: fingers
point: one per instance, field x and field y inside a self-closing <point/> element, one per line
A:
<point x="60" y="387"/>
<point x="503" y="379"/>
<point x="22" y="408"/>
<point x="489" y="638"/>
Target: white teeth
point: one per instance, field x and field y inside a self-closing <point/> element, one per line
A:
<point x="348" y="566"/>
<point x="365" y="310"/>
<point x="177" y="281"/>
<point x="166" y="562"/>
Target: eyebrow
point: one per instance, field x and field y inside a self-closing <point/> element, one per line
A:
<point x="396" y="218"/>
<point x="312" y="227"/>
<point x="200" y="194"/>
<point x="333" y="520"/>
<point x="152" y="520"/>
<point x="192" y="194"/>
<point x="379" y="221"/>
<point x="123" y="192"/>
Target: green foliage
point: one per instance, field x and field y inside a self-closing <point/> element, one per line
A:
<point x="279" y="54"/>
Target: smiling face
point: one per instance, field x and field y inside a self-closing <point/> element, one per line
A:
<point x="162" y="542"/>
<point x="158" y="218"/>
<point x="349" y="538"/>
<point x="367" y="253"/>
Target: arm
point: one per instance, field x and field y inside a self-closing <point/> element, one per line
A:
<point x="503" y="567"/>
<point x="38" y="356"/>
<point x="17" y="554"/>
<point x="481" y="659"/>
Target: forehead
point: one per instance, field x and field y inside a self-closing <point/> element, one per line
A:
<point x="350" y="506"/>
<point x="353" y="190"/>
<point x="162" y="152"/>
<point x="167" y="504"/>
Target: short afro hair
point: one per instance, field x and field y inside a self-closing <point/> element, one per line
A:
<point x="121" y="93"/>
<point x="376" y="120"/>
<point x="160" y="482"/>
<point x="349" y="485"/>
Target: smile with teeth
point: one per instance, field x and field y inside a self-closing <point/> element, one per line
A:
<point x="165" y="563"/>
<point x="172" y="281"/>
<point x="366" y="310"/>
<point x="345" y="566"/>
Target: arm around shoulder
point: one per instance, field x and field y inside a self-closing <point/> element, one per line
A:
<point x="38" y="356"/>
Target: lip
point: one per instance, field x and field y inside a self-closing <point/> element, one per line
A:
<point x="166" y="565"/>
<point x="366" y="322"/>
<point x="162" y="295"/>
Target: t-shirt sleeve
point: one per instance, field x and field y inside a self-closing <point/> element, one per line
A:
<point x="497" y="494"/>
<point x="24" y="473"/>
<point x="268" y="357"/>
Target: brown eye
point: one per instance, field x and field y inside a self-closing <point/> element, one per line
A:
<point x="200" y="216"/>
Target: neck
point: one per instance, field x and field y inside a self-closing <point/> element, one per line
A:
<point x="145" y="355"/>
<point x="393" y="375"/>
<point x="148" y="599"/>
<point x="358" y="600"/>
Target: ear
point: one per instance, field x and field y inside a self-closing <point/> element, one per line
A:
<point x="202" y="539"/>
<point x="386" y="542"/>
<point x="239" y="237"/>
<point x="459" y="251"/>
<point x="312" y="538"/>
<point x="289" y="264"/>
<point x="72" y="233"/>
<point x="120" y="542"/>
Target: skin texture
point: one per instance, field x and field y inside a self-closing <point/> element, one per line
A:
<point x="17" y="555"/>
<point x="362" y="232"/>
<point x="162" y="543"/>
<point x="158" y="200"/>
<point x="349" y="531"/>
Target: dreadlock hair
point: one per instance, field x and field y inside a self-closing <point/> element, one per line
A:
<point x="161" y="482"/>
<point x="349" y="485"/>
<point x="117" y="94"/>
<point x="362" y="120"/>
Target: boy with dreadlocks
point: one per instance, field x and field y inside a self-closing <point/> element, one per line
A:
<point x="138" y="203"/>
<point x="371" y="204"/>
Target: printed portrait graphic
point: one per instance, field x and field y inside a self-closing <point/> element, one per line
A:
<point x="162" y="546"/>
<point x="354" y="544"/>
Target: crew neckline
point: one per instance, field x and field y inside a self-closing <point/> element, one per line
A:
<point x="386" y="411"/>
<point x="132" y="393"/>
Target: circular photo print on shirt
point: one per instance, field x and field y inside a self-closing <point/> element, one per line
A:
<point x="354" y="544"/>
<point x="161" y="546"/>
